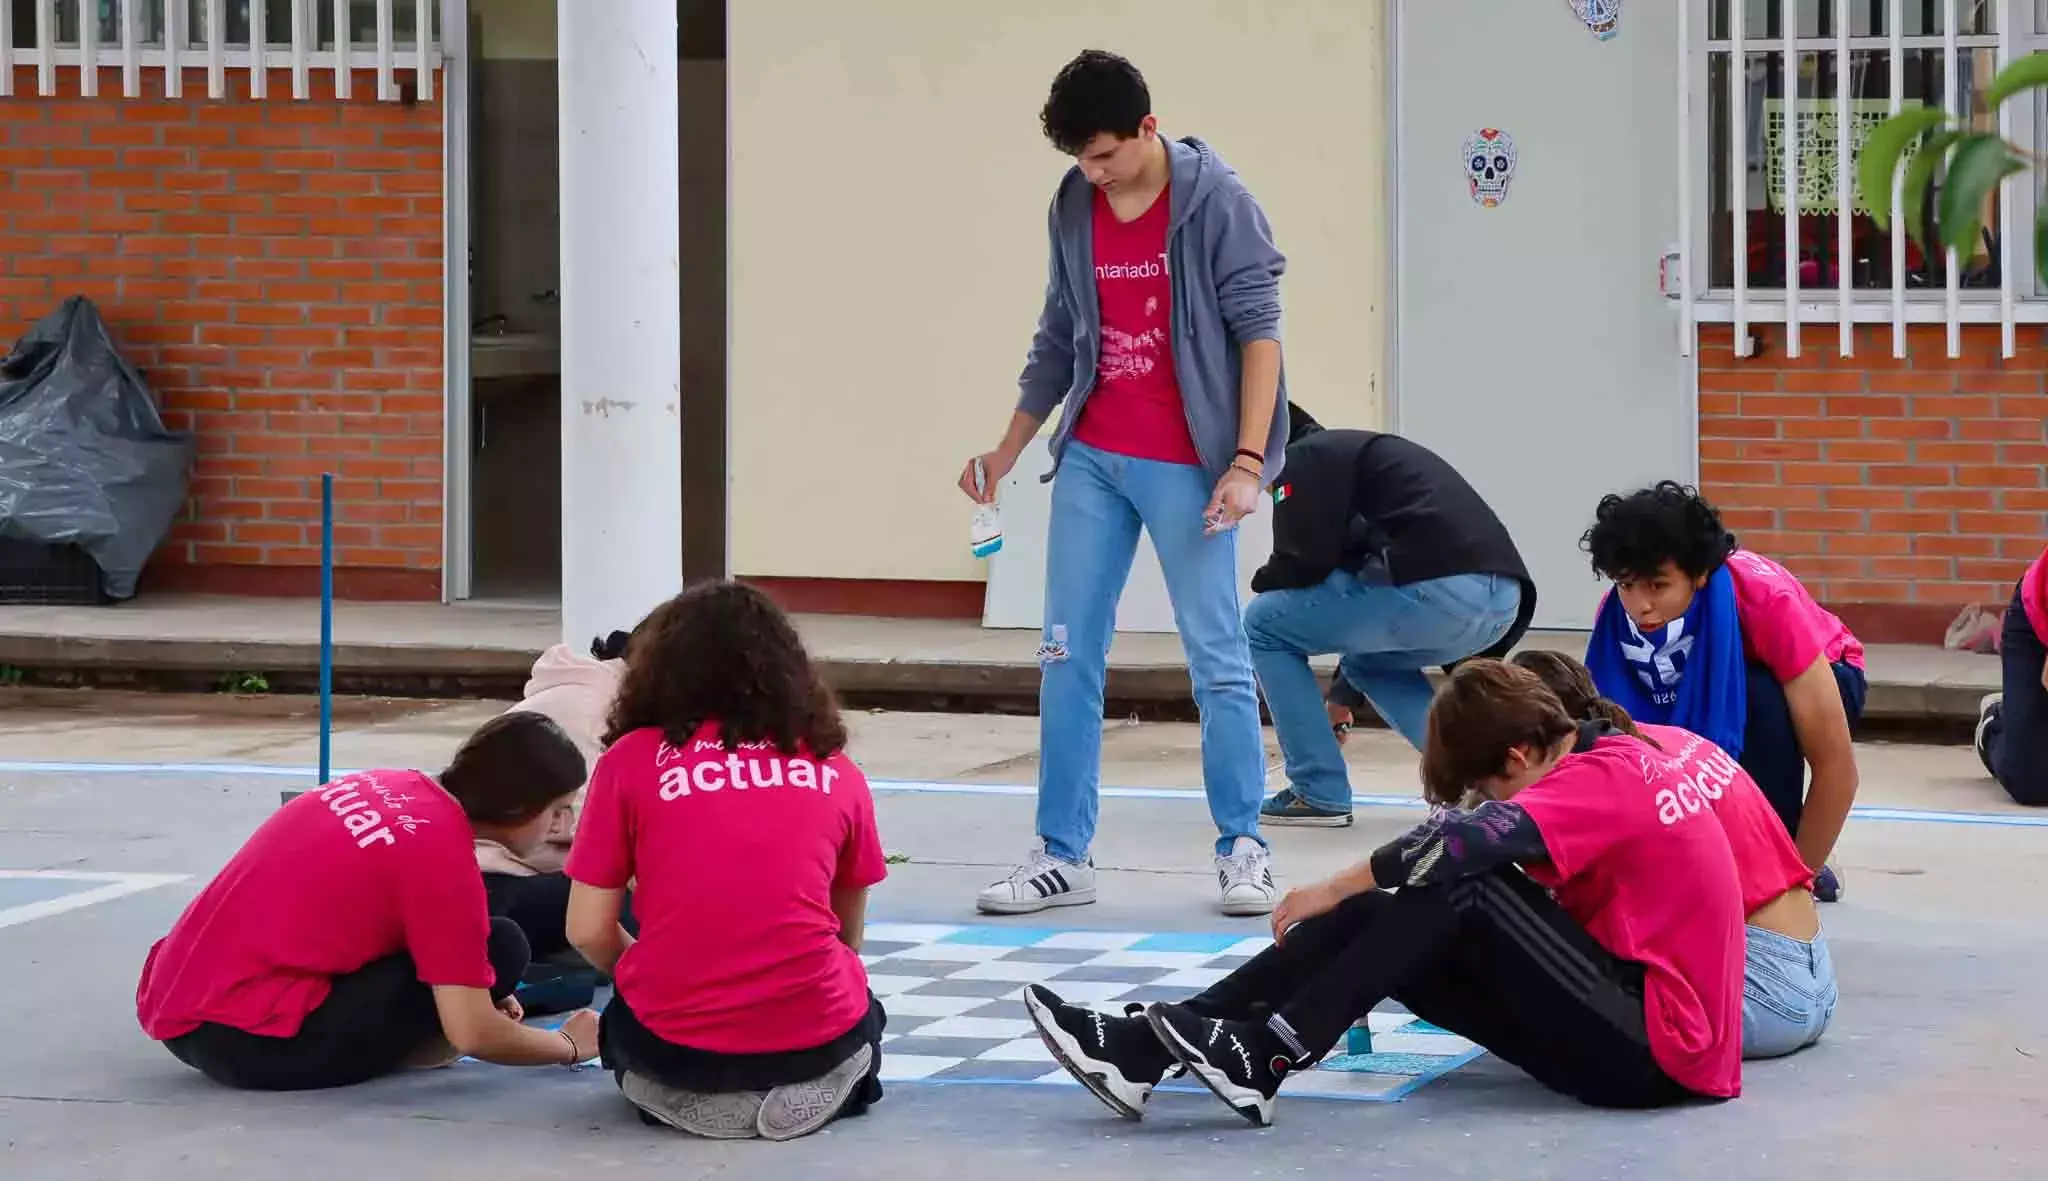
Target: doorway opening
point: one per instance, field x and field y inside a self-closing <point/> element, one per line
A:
<point x="509" y="467"/>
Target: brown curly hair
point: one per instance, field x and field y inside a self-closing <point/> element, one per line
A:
<point x="725" y="653"/>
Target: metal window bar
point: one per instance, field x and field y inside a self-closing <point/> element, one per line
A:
<point x="1895" y="22"/>
<point x="174" y="41"/>
<point x="1790" y="203"/>
<point x="1738" y="165"/>
<point x="1845" y="188"/>
<point x="170" y="35"/>
<point x="1950" y="82"/>
<point x="217" y="47"/>
<point x="88" y="49"/>
<point x="344" y="44"/>
<point x="2008" y="333"/>
<point x="1687" y="329"/>
<point x="259" y="49"/>
<point x="6" y="50"/>
<point x="46" y="35"/>
<point x="387" y="87"/>
<point x="1952" y="311"/>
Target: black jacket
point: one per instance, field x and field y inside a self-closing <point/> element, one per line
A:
<point x="1349" y="495"/>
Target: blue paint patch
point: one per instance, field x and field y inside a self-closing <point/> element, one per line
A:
<point x="1197" y="943"/>
<point x="28" y="891"/>
<point x="1000" y="936"/>
<point x="1404" y="1064"/>
<point x="1420" y="1026"/>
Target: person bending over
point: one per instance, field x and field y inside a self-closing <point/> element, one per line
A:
<point x="1160" y="334"/>
<point x="725" y="793"/>
<point x="1724" y="642"/>
<point x="1788" y="977"/>
<point x="2012" y="726"/>
<point x="1583" y="923"/>
<point x="575" y="690"/>
<point x="350" y="936"/>
<point x="1384" y="554"/>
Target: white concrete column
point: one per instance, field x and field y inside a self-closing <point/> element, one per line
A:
<point x="622" y="517"/>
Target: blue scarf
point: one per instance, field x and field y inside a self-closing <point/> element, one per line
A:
<point x="1690" y="673"/>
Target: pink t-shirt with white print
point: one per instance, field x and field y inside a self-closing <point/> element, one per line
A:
<point x="1782" y="626"/>
<point x="372" y="864"/>
<point x="2034" y="596"/>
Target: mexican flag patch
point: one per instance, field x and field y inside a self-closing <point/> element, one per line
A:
<point x="1281" y="492"/>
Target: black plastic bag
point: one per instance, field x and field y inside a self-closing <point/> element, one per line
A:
<point x="85" y="457"/>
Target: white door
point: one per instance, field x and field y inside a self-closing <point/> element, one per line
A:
<point x="1532" y="348"/>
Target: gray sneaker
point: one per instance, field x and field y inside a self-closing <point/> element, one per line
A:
<point x="714" y="1117"/>
<point x="798" y="1109"/>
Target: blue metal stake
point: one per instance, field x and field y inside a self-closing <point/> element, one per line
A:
<point x="326" y="623"/>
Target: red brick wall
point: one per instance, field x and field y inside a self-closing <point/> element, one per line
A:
<point x="1897" y="489"/>
<point x="275" y="269"/>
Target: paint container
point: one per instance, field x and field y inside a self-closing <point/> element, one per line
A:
<point x="985" y="535"/>
<point x="1358" y="1039"/>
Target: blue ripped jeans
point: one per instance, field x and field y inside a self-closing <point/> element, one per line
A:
<point x="1788" y="993"/>
<point x="1387" y="635"/>
<point x="1099" y="502"/>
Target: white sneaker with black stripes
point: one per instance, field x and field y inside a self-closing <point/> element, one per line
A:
<point x="1043" y="881"/>
<point x="1245" y="875"/>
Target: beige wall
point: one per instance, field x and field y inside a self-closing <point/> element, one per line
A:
<point x="889" y="190"/>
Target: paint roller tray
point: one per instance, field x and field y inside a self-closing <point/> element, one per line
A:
<point x="49" y="575"/>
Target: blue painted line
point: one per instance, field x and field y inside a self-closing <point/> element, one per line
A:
<point x="999" y="936"/>
<point x="1189" y="942"/>
<point x="931" y="787"/>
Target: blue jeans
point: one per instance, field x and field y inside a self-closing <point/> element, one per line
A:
<point x="1788" y="993"/>
<point x="1388" y="635"/>
<point x="1099" y="501"/>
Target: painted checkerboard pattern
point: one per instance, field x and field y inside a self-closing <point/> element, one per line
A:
<point x="955" y="1017"/>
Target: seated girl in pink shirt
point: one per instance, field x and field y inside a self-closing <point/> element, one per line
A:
<point x="1788" y="979"/>
<point x="2012" y="726"/>
<point x="1583" y="922"/>
<point x="1783" y="694"/>
<point x="725" y="796"/>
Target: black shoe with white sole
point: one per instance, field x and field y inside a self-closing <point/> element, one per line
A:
<point x="1118" y="1059"/>
<point x="1242" y="1062"/>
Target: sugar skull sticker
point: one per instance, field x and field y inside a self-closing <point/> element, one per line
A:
<point x="1490" y="165"/>
<point x="1601" y="16"/>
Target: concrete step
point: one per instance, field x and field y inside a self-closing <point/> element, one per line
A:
<point x="486" y="649"/>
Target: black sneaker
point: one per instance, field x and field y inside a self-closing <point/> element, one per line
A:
<point x="1988" y="713"/>
<point x="1289" y="807"/>
<point x="1240" y="1061"/>
<point x="1827" y="884"/>
<point x="1117" y="1058"/>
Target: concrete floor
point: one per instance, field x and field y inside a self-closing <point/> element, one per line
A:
<point x="1937" y="1065"/>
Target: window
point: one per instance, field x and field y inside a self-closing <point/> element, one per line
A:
<point x="151" y="15"/>
<point x="1846" y="62"/>
<point x="1815" y="110"/>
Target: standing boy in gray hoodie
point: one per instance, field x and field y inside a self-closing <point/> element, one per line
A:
<point x="1161" y="334"/>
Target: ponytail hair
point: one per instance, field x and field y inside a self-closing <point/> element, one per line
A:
<point x="1573" y="684"/>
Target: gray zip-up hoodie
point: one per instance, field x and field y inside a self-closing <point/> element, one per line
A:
<point x="1225" y="273"/>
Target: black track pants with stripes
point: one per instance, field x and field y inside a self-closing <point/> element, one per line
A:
<point x="1492" y="958"/>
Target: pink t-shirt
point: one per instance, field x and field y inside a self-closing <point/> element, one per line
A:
<point x="1767" y="863"/>
<point x="1135" y="408"/>
<point x="374" y="864"/>
<point x="737" y="853"/>
<point x="1782" y="626"/>
<point x="1639" y="860"/>
<point x="2034" y="596"/>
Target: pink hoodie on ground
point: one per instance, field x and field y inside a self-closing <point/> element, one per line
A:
<point x="576" y="691"/>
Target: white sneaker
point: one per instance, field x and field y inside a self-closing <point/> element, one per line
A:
<point x="1042" y="881"/>
<point x="1246" y="876"/>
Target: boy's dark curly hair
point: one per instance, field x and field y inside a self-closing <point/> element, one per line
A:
<point x="1634" y="535"/>
<point x="725" y="653"/>
<point x="1096" y="92"/>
